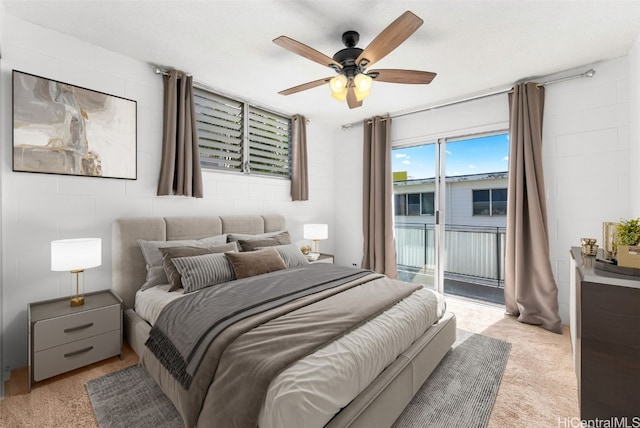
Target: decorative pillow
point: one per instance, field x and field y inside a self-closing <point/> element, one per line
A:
<point x="282" y="236"/>
<point x="291" y="255"/>
<point x="198" y="272"/>
<point x="256" y="244"/>
<point x="153" y="256"/>
<point x="257" y="262"/>
<point x="170" y="253"/>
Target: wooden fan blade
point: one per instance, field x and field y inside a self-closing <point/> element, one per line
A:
<point x="403" y="76"/>
<point x="305" y="86"/>
<point x="352" y="101"/>
<point x="390" y="38"/>
<point x="305" y="51"/>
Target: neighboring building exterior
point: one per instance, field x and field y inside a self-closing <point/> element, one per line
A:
<point x="471" y="200"/>
<point x="475" y="220"/>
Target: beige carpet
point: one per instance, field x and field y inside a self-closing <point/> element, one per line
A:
<point x="538" y="386"/>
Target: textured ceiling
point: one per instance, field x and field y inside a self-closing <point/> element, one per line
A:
<point x="472" y="45"/>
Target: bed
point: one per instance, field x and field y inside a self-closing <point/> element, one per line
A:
<point x="376" y="402"/>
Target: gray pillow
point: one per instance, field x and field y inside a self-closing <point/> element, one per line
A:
<point x="153" y="256"/>
<point x="291" y="255"/>
<point x="256" y="244"/>
<point x="199" y="272"/>
<point x="254" y="263"/>
<point x="281" y="236"/>
<point x="170" y="253"/>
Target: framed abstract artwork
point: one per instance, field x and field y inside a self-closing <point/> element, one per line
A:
<point x="60" y="128"/>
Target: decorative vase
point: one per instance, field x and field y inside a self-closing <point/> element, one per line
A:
<point x="589" y="246"/>
<point x="609" y="235"/>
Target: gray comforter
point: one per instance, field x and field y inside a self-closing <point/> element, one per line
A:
<point x="187" y="326"/>
<point x="228" y="387"/>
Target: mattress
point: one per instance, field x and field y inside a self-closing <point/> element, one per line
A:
<point x="308" y="387"/>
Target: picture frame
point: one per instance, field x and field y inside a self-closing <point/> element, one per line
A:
<point x="60" y="128"/>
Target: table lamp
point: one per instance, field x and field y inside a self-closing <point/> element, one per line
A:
<point x="76" y="255"/>
<point x="316" y="232"/>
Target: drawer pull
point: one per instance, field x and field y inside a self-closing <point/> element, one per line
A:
<point x="81" y="351"/>
<point x="80" y="327"/>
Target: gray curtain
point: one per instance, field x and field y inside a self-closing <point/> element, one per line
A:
<point x="180" y="170"/>
<point x="299" y="174"/>
<point x="379" y="242"/>
<point x="530" y="290"/>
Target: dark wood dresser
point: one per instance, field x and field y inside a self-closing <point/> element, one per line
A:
<point x="605" y="336"/>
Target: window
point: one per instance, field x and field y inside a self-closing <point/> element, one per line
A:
<point x="414" y="204"/>
<point x="498" y="201"/>
<point x="400" y="204"/>
<point x="236" y="136"/>
<point x="428" y="204"/>
<point x="490" y="202"/>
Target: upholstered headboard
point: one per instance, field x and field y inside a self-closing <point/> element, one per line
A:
<point x="128" y="266"/>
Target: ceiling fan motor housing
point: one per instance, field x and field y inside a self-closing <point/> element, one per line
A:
<point x="347" y="56"/>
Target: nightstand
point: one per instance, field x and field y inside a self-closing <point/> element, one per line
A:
<point x="64" y="338"/>
<point x="324" y="258"/>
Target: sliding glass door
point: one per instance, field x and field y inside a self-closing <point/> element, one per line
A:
<point x="450" y="214"/>
<point x="415" y="204"/>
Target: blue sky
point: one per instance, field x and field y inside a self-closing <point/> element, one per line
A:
<point x="472" y="156"/>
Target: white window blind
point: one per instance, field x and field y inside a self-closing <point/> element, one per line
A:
<point x="268" y="143"/>
<point x="220" y="130"/>
<point x="235" y="136"/>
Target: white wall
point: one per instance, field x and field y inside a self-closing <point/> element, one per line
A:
<point x="586" y="156"/>
<point x="3" y="125"/>
<point x="586" y="152"/>
<point x="634" y="103"/>
<point x="39" y="208"/>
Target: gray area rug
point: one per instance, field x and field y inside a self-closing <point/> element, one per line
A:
<point x="459" y="393"/>
<point x="130" y="398"/>
<point x="462" y="389"/>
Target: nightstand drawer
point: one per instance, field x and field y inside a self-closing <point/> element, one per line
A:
<point x="70" y="328"/>
<point x="60" y="359"/>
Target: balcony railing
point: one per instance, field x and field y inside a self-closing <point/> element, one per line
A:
<point x="474" y="254"/>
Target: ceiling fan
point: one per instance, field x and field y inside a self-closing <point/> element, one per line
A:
<point x="354" y="81"/>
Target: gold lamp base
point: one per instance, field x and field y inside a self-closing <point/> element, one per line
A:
<point x="77" y="301"/>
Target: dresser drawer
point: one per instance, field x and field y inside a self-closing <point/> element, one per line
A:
<point x="71" y="328"/>
<point x="60" y="359"/>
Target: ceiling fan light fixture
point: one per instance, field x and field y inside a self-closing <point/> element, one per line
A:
<point x="360" y="95"/>
<point x="340" y="96"/>
<point x="338" y="84"/>
<point x="363" y="82"/>
<point x="352" y="82"/>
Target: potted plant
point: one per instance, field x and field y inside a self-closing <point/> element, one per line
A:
<point x="627" y="242"/>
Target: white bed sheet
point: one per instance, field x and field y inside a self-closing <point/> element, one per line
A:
<point x="150" y="302"/>
<point x="315" y="388"/>
<point x="311" y="391"/>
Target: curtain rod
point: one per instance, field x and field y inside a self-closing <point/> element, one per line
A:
<point x="588" y="73"/>
<point x="158" y="70"/>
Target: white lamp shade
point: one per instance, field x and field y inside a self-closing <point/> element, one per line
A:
<point x="316" y="231"/>
<point x="76" y="254"/>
